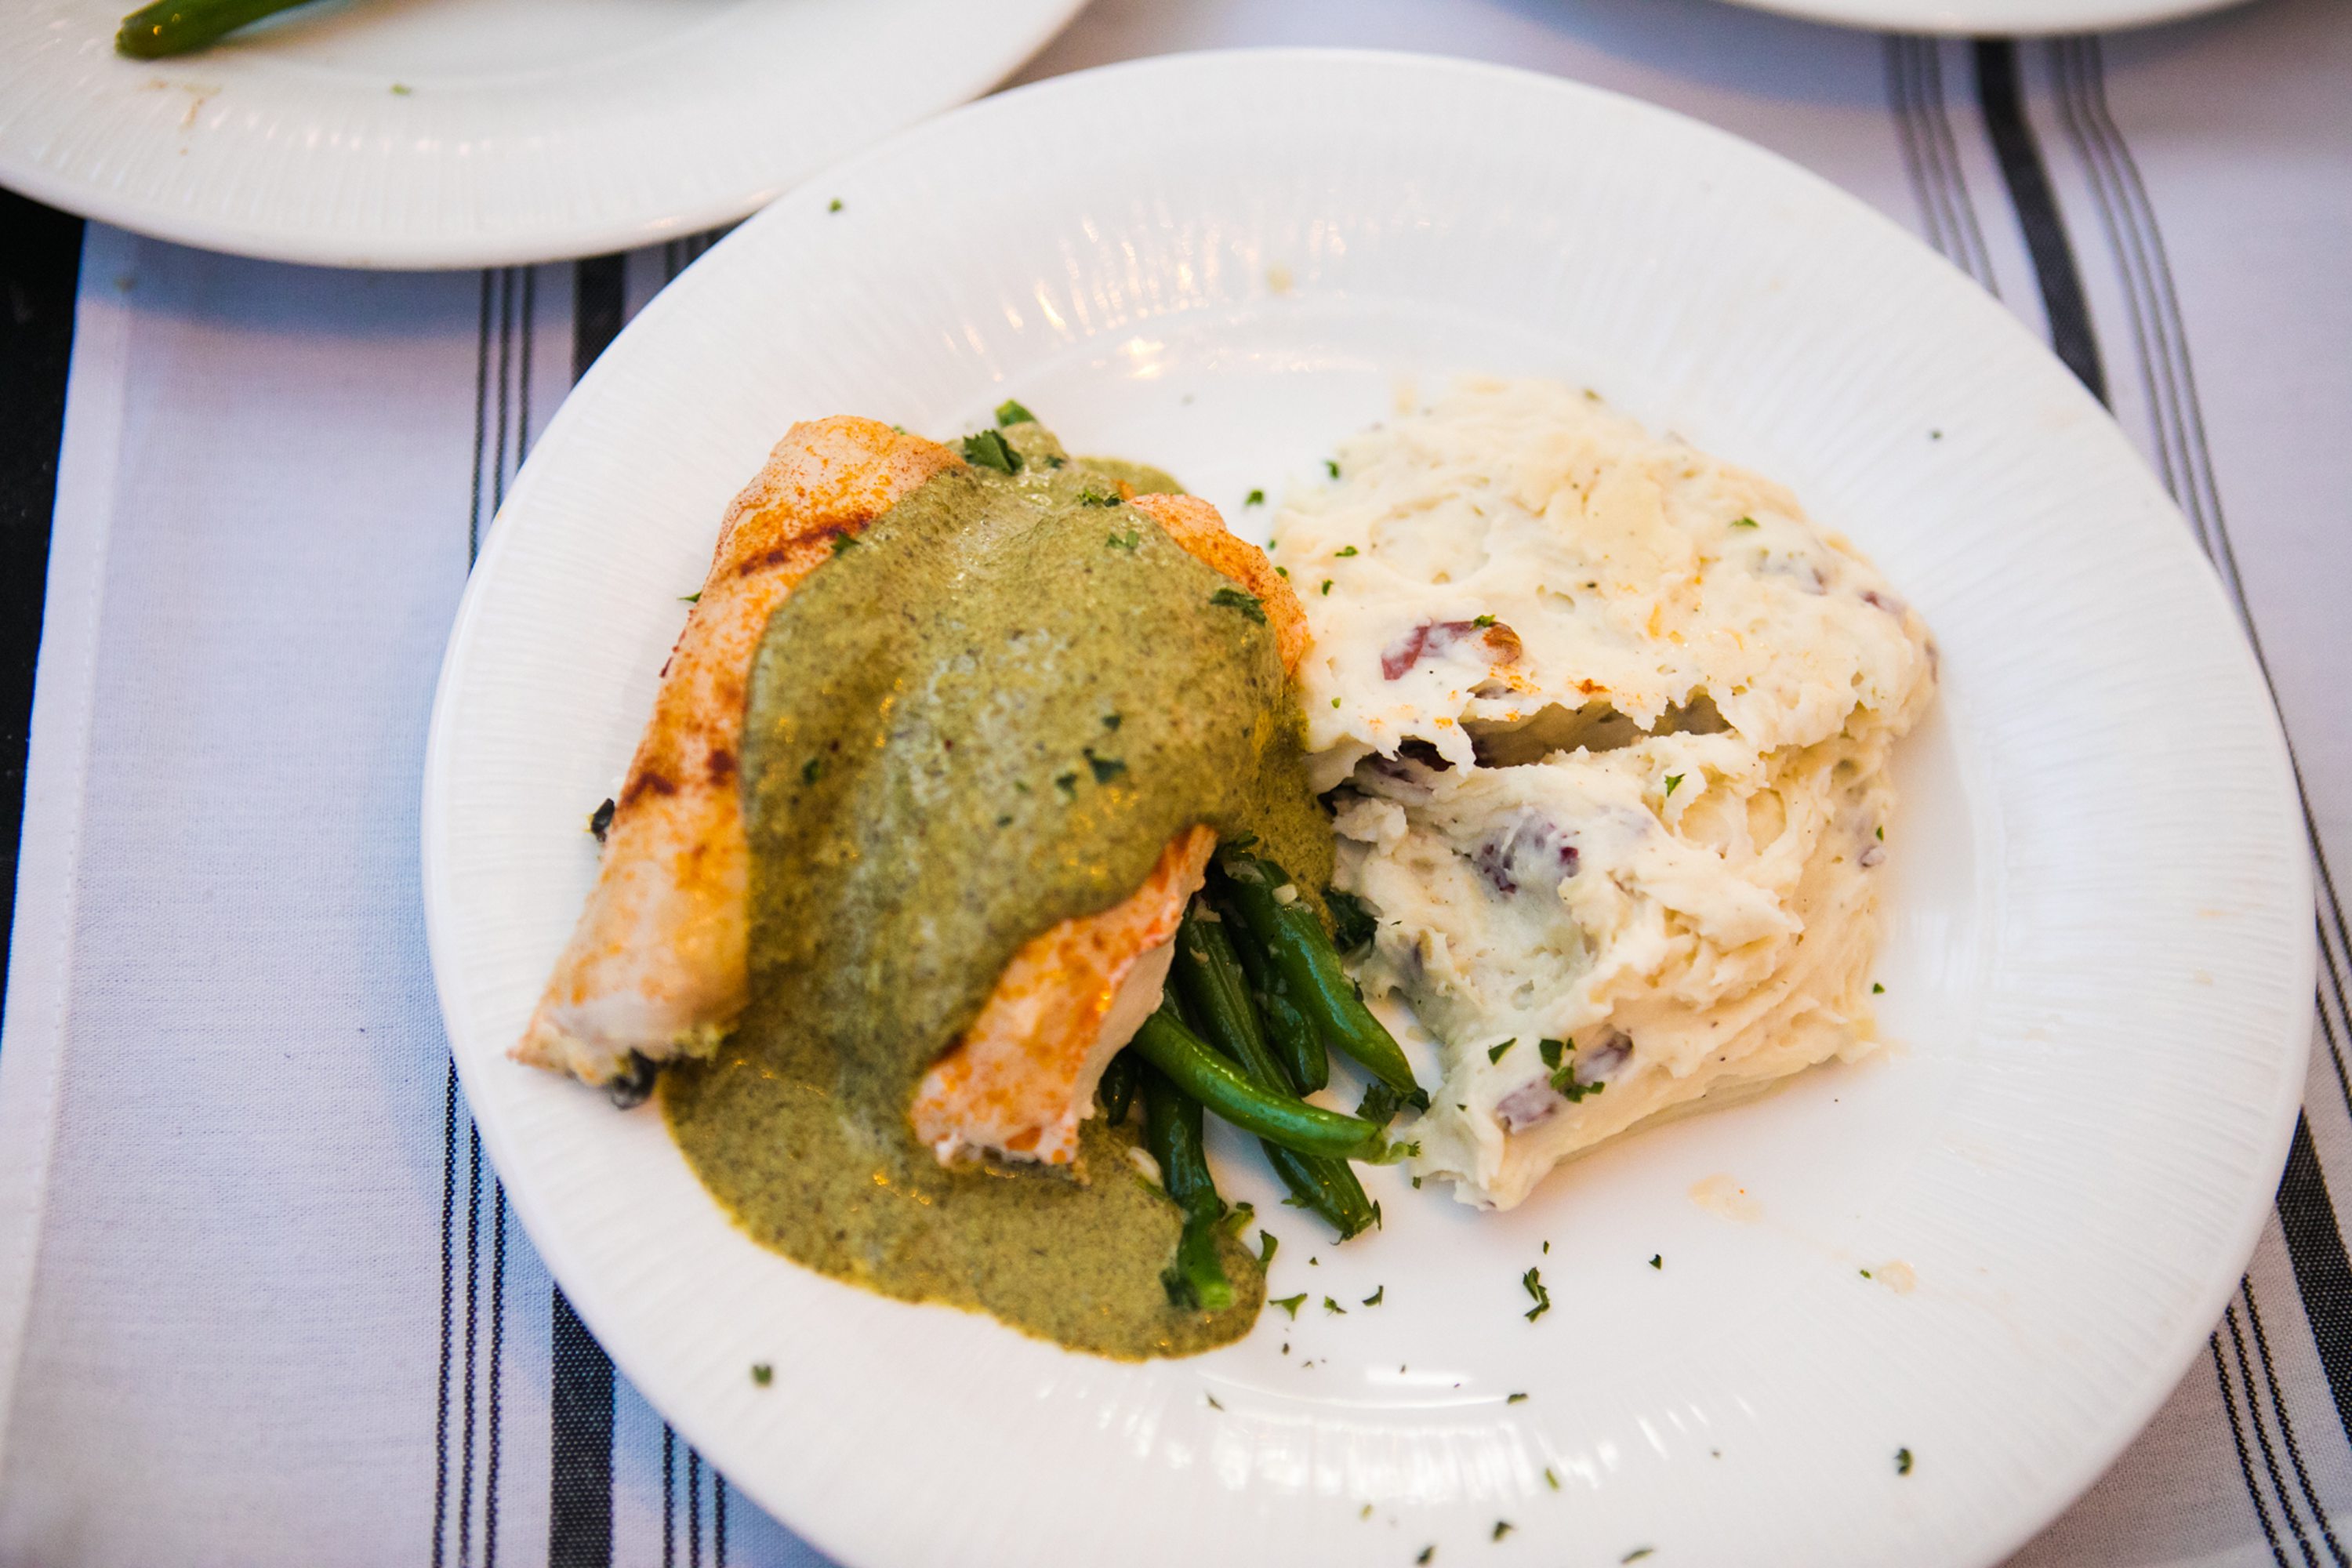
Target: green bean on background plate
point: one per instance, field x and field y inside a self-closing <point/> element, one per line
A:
<point x="182" y="26"/>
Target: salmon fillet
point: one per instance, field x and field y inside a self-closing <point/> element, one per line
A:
<point x="656" y="966"/>
<point x="1023" y="1078"/>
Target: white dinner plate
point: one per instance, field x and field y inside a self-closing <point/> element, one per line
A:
<point x="479" y="133"/>
<point x="1987" y="18"/>
<point x="2097" y="965"/>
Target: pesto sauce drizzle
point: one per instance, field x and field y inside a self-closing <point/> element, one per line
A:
<point x="990" y="717"/>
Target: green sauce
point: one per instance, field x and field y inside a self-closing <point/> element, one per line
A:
<point x="988" y="714"/>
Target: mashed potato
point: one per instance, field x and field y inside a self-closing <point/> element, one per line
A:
<point x="1609" y="723"/>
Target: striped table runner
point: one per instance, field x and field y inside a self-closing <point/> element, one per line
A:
<point x="261" y="1299"/>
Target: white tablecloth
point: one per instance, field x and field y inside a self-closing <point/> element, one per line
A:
<point x="261" y="1300"/>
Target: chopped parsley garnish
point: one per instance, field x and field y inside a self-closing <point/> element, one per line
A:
<point x="1495" y="1054"/>
<point x="1332" y="467"/>
<point x="1426" y="1553"/>
<point x="1550" y="1479"/>
<point x="844" y="542"/>
<point x="1105" y="768"/>
<point x="811" y="770"/>
<point x="1067" y="784"/>
<point x="1882" y="834"/>
<point x="1901" y="1461"/>
<point x="1334" y="1307"/>
<point x="1212" y="1401"/>
<point x="1011" y="412"/>
<point x="1637" y="1554"/>
<point x="990" y="450"/>
<point x="1327" y="587"/>
<point x="1282" y="570"/>
<point x="1482" y="621"/>
<point x="763" y="1374"/>
<point x="1745" y="523"/>
<point x="1876" y="989"/>
<point x="1550" y="1049"/>
<point x="1289" y="1304"/>
<point x="1865" y="1274"/>
<point x="1379" y="1104"/>
<point x="600" y="818"/>
<point x="1255" y="498"/>
<point x="1266" y="1243"/>
<point x="1657" y="1260"/>
<point x="1352" y="925"/>
<point x="1126" y="542"/>
<point x="1234" y="599"/>
<point x="1346" y="552"/>
<point x="1113" y="720"/>
<point x="1364" y="1512"/>
<point x="1515" y="1399"/>
<point x="1379" y="1294"/>
<point x="1335" y="703"/>
<point x="1502" y="1527"/>
<point x="695" y="598"/>
<point x="1532" y="1282"/>
<point x="1674" y="783"/>
<point x="1090" y="495"/>
<point x="1564" y="1083"/>
<point x="835" y="206"/>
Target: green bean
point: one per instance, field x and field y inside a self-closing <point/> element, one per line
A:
<point x="1171" y="1129"/>
<point x="183" y="27"/>
<point x="1302" y="954"/>
<point x="1169" y="1045"/>
<point x="1215" y="999"/>
<point x="1304" y="1062"/>
<point x="1322" y="1186"/>
<point x="1116" y="1090"/>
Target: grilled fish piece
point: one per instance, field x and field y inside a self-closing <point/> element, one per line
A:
<point x="656" y="967"/>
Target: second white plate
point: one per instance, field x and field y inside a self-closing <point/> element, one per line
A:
<point x="479" y="133"/>
<point x="2098" y="962"/>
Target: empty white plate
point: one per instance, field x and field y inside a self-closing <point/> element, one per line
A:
<point x="2098" y="964"/>
<point x="1987" y="18"/>
<point x="476" y="133"/>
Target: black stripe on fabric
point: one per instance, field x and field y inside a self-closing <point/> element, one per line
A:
<point x="448" y="1273"/>
<point x="40" y="272"/>
<point x="2238" y="1437"/>
<point x="1915" y="87"/>
<point x="473" y="1315"/>
<point x="2263" y="1436"/>
<point x="2322" y="1273"/>
<point x="498" y="1347"/>
<point x="2287" y="1427"/>
<point x="669" y="1496"/>
<point x="599" y="299"/>
<point x="449" y="1098"/>
<point x="2082" y="73"/>
<point x="580" y="1437"/>
<point x="693" y="1508"/>
<point x="1945" y="155"/>
<point x="717" y="1520"/>
<point x="2315" y="1249"/>
<point x="497" y="1188"/>
<point x="2030" y="192"/>
<point x="580" y="1461"/>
